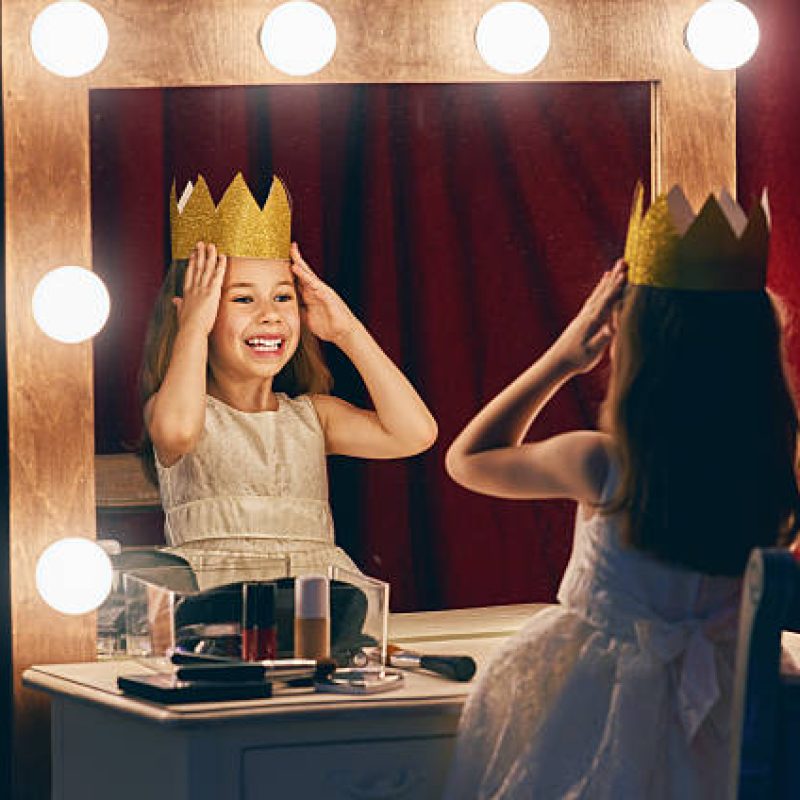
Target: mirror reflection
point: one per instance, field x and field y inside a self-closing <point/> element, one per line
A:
<point x="462" y="223"/>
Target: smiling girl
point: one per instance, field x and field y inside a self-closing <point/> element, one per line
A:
<point x="237" y="414"/>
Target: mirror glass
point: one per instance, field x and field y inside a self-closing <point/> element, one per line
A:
<point x="463" y="223"/>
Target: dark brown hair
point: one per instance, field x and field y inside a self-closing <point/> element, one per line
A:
<point x="705" y="427"/>
<point x="306" y="371"/>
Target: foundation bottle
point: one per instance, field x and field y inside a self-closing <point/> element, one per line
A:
<point x="312" y="617"/>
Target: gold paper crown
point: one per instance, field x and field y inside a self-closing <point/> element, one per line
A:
<point x="719" y="249"/>
<point x="237" y="226"/>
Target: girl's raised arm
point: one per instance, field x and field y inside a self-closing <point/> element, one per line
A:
<point x="488" y="456"/>
<point x="175" y="414"/>
<point x="401" y="424"/>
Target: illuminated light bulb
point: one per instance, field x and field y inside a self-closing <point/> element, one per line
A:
<point x="70" y="304"/>
<point x="298" y="38"/>
<point x="74" y="575"/>
<point x="722" y="34"/>
<point x="513" y="37"/>
<point x="69" y="38"/>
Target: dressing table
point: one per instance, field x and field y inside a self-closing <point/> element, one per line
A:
<point x="391" y="746"/>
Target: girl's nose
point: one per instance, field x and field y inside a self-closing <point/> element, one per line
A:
<point x="269" y="312"/>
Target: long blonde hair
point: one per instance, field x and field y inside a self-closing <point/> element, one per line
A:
<point x="704" y="426"/>
<point x="306" y="371"/>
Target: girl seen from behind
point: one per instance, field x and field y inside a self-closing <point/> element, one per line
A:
<point x="623" y="689"/>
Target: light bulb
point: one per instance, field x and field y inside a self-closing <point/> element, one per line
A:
<point x="298" y="38"/>
<point x="69" y="38"/>
<point x="513" y="37"/>
<point x="722" y="34"/>
<point x="70" y="304"/>
<point x="74" y="575"/>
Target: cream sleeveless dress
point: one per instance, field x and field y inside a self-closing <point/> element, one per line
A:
<point x="251" y="501"/>
<point x="620" y="692"/>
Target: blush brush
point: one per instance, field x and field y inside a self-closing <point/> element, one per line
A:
<point x="455" y="668"/>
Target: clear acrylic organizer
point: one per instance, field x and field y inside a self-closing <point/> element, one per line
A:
<point x="199" y="607"/>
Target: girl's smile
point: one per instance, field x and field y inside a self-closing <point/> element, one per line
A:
<point x="266" y="345"/>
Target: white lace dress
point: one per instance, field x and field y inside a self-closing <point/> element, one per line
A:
<point x="252" y="499"/>
<point x="620" y="692"/>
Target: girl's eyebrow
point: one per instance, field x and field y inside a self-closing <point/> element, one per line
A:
<point x="240" y="286"/>
<point x="245" y="285"/>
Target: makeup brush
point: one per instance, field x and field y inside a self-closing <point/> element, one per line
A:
<point x="456" y="668"/>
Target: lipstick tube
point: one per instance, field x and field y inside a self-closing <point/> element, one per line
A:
<point x="259" y="632"/>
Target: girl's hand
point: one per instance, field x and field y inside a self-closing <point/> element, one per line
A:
<point x="586" y="338"/>
<point x="202" y="288"/>
<point x="325" y="313"/>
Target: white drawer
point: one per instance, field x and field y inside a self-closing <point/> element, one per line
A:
<point x="389" y="769"/>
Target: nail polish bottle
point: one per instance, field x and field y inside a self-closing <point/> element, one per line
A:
<point x="312" y="617"/>
<point x="259" y="632"/>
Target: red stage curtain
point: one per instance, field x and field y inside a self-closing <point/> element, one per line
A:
<point x="768" y="150"/>
<point x="463" y="223"/>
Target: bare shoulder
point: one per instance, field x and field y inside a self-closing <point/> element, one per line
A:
<point x="168" y="447"/>
<point x="328" y="406"/>
<point x="334" y="415"/>
<point x="322" y="402"/>
<point x="590" y="454"/>
<point x="576" y="464"/>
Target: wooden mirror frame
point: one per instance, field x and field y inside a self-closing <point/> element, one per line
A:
<point x="208" y="42"/>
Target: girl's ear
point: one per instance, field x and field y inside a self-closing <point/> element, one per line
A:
<point x="177" y="302"/>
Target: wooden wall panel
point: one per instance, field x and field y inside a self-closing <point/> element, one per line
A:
<point x="205" y="42"/>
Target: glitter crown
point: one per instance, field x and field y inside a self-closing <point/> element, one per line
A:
<point x="237" y="225"/>
<point x="719" y="249"/>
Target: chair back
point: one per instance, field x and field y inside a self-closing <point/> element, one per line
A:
<point x="765" y="734"/>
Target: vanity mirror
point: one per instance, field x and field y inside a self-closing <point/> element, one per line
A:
<point x="205" y="43"/>
<point x="463" y="223"/>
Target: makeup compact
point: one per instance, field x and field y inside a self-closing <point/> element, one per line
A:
<point x="365" y="680"/>
<point x="170" y="689"/>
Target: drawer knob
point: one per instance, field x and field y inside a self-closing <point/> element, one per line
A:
<point x="377" y="786"/>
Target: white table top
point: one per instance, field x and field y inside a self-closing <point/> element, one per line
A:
<point x="474" y="632"/>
